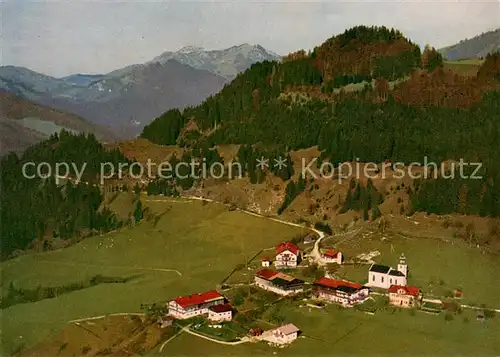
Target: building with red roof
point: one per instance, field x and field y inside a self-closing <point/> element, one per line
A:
<point x="405" y="296"/>
<point x="185" y="307"/>
<point x="278" y="282"/>
<point x="340" y="291"/>
<point x="287" y="256"/>
<point x="331" y="256"/>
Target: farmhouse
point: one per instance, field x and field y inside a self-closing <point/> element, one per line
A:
<point x="282" y="335"/>
<point x="382" y="276"/>
<point x="185" y="307"/>
<point x="266" y="262"/>
<point x="219" y="313"/>
<point x="405" y="296"/>
<point x="331" y="256"/>
<point x="287" y="256"/>
<point x="339" y="291"/>
<point x="278" y="282"/>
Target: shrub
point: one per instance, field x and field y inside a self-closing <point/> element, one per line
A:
<point x="85" y="350"/>
<point x="489" y="313"/>
<point x="238" y="300"/>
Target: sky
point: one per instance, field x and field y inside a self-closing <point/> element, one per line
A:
<point x="62" y="37"/>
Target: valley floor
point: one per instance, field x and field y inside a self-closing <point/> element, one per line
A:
<point x="193" y="246"/>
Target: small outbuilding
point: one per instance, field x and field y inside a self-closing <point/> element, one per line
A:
<point x="219" y="313"/>
<point x="282" y="335"/>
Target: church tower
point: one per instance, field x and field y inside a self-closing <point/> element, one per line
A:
<point x="402" y="267"/>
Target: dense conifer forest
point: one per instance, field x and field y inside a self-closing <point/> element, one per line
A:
<point x="405" y="107"/>
<point x="39" y="208"/>
<point x="427" y="113"/>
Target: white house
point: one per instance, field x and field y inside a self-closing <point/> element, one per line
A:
<point x="331" y="256"/>
<point x="287" y="256"/>
<point x="282" y="335"/>
<point x="265" y="262"/>
<point x="382" y="276"/>
<point x="219" y="313"/>
<point x="185" y="307"/>
<point x="278" y="282"/>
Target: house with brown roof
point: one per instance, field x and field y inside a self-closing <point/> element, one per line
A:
<point x="278" y="282"/>
<point x="341" y="292"/>
<point x="219" y="313"/>
<point x="405" y="296"/>
<point x="185" y="307"/>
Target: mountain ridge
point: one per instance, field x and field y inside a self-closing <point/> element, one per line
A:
<point x="226" y="62"/>
<point x="24" y="123"/>
<point x="101" y="99"/>
<point x="477" y="47"/>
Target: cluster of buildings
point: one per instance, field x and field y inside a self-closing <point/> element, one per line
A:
<point x="343" y="292"/>
<point x="288" y="256"/>
<point x="217" y="309"/>
<point x="395" y="282"/>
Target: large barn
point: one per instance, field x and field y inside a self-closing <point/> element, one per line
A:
<point x="340" y="291"/>
<point x="278" y="282"/>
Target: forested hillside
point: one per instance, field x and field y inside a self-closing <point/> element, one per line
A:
<point x="408" y="107"/>
<point x="38" y="209"/>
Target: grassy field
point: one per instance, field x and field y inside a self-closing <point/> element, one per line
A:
<point x="435" y="266"/>
<point x="468" y="67"/>
<point x="194" y="246"/>
<point x="349" y="332"/>
<point x="202" y="242"/>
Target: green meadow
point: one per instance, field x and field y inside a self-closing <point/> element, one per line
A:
<point x="190" y="248"/>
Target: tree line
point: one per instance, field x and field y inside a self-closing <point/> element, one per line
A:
<point x="435" y="114"/>
<point x="39" y="208"/>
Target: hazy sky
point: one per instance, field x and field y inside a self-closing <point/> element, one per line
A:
<point x="96" y="36"/>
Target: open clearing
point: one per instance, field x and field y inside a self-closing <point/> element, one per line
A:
<point x="203" y="242"/>
<point x="437" y="267"/>
<point x="467" y="67"/>
<point x="349" y="332"/>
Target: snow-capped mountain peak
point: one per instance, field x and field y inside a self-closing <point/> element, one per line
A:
<point x="227" y="62"/>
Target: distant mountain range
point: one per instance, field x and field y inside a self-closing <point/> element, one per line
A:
<point x="475" y="47"/>
<point x="127" y="99"/>
<point x="24" y="123"/>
